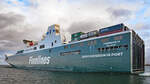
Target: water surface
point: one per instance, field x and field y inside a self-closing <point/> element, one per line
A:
<point x="19" y="76"/>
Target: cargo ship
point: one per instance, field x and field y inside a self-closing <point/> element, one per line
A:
<point x="112" y="49"/>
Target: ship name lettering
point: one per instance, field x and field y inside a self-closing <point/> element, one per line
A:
<point x="39" y="60"/>
<point x="104" y="55"/>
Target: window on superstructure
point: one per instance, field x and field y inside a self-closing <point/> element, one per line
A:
<point x="116" y="47"/>
<point x="52" y="44"/>
<point x="50" y="32"/>
<point x="125" y="29"/>
<point x="34" y="48"/>
<point x="99" y="49"/>
<point x="107" y="48"/>
<point x="55" y="41"/>
<point x="126" y="46"/>
<point x="120" y="46"/>
<point x="103" y="49"/>
<point x="21" y="51"/>
<point x="111" y="47"/>
<point x="42" y="46"/>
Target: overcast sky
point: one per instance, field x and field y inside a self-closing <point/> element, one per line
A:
<point x="29" y="19"/>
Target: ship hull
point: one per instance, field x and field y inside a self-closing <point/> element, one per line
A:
<point x="112" y="53"/>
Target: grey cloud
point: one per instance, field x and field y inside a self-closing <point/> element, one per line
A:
<point x="7" y="19"/>
<point x="10" y="41"/>
<point x="86" y="25"/>
<point x="2" y="6"/>
<point x="10" y="37"/>
<point x="145" y="35"/>
<point x="117" y="13"/>
<point x="142" y="26"/>
<point x="143" y="30"/>
<point x="80" y="26"/>
<point x="146" y="2"/>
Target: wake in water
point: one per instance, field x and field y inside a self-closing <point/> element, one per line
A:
<point x="145" y="74"/>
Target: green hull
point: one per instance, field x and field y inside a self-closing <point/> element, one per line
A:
<point x="110" y="53"/>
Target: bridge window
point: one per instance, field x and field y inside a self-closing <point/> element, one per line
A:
<point x="50" y="32"/>
<point x="52" y="44"/>
<point x="113" y="48"/>
<point x="34" y="48"/>
<point x="42" y="46"/>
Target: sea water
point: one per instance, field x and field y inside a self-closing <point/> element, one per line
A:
<point x="20" y="76"/>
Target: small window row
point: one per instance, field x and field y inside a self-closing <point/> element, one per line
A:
<point x="93" y="42"/>
<point x="50" y="31"/>
<point x="42" y="46"/>
<point x="21" y="51"/>
<point x="53" y="43"/>
<point x="70" y="53"/>
<point x="73" y="45"/>
<point x="113" y="48"/>
<point x="115" y="38"/>
<point x="34" y="48"/>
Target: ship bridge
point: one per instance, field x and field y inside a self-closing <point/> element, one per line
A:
<point x="51" y="39"/>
